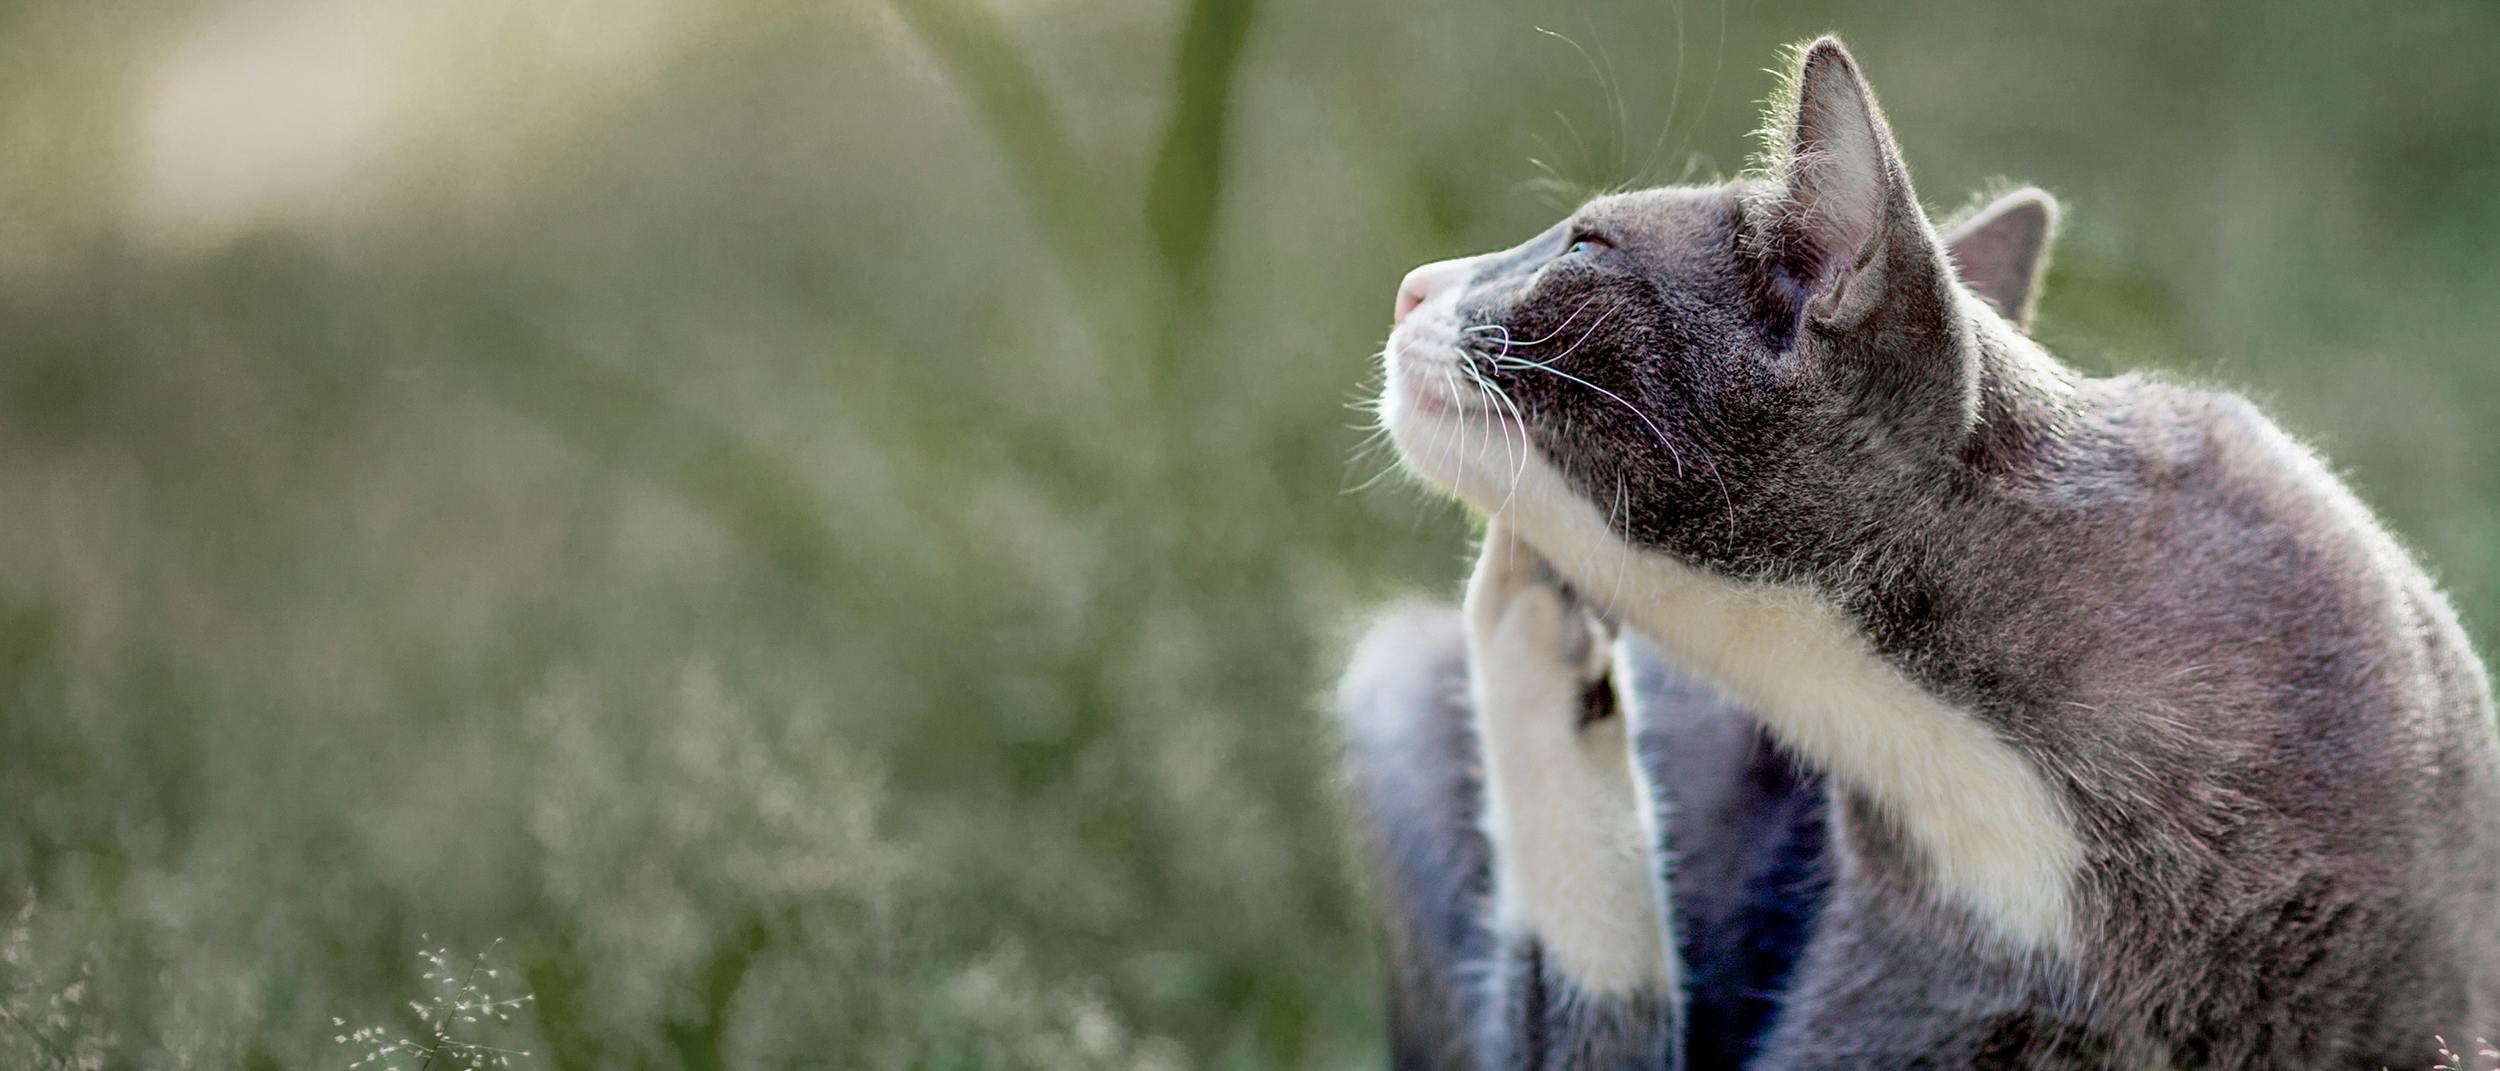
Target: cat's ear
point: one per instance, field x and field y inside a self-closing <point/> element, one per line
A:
<point x="2001" y="250"/>
<point x="1850" y="228"/>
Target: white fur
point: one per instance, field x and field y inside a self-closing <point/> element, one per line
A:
<point x="1573" y="864"/>
<point x="1992" y="831"/>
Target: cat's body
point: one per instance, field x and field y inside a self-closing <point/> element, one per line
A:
<point x="2145" y="745"/>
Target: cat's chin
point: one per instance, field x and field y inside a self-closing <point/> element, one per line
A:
<point x="1478" y="454"/>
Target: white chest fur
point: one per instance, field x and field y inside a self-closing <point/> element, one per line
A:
<point x="1992" y="832"/>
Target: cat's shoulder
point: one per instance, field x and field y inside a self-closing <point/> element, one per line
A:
<point x="2178" y="429"/>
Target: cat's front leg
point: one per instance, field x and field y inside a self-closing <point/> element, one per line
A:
<point x="1585" y="975"/>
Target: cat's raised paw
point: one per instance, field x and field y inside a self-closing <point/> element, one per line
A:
<point x="1534" y="642"/>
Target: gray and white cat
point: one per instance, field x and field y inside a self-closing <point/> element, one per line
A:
<point x="2111" y="730"/>
<point x="1750" y="829"/>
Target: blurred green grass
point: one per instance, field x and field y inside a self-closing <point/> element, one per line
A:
<point x="826" y="529"/>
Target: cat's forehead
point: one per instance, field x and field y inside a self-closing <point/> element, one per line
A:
<point x="1664" y="214"/>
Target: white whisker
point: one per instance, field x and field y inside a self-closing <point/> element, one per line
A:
<point x="1504" y="329"/>
<point x="1519" y="460"/>
<point x="1548" y="367"/>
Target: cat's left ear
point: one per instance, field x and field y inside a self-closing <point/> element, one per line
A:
<point x="2001" y="249"/>
<point x="1850" y="231"/>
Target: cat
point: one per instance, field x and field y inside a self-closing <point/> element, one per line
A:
<point x="1751" y="823"/>
<point x="2134" y="739"/>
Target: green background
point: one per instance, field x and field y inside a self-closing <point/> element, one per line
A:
<point x="827" y="529"/>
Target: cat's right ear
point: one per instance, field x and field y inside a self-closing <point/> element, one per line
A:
<point x="1848" y="232"/>
<point x="2001" y="250"/>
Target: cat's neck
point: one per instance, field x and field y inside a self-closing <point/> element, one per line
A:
<point x="2029" y="404"/>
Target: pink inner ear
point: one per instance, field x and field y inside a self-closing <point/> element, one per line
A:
<point x="1838" y="172"/>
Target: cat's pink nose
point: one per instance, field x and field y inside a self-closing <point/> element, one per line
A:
<point x="1420" y="284"/>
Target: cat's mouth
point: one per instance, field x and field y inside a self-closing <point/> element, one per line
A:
<point x="1445" y="389"/>
<point x="1452" y="427"/>
<point x="1430" y="374"/>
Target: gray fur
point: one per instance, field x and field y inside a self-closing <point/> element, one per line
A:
<point x="2261" y="717"/>
<point x="1542" y="1020"/>
<point x="1411" y="747"/>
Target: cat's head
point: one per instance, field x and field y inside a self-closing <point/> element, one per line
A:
<point x="1727" y="373"/>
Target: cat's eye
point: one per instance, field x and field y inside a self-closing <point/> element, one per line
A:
<point x="1586" y="245"/>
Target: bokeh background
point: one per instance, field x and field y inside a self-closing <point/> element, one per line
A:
<point x="825" y="528"/>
